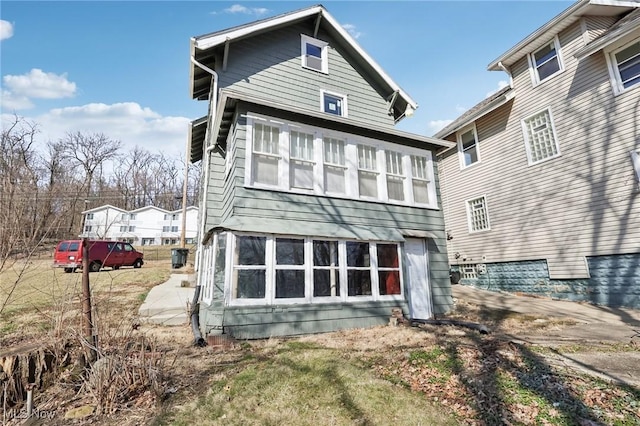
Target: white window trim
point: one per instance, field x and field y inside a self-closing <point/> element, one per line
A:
<point x="533" y="71"/>
<point x="470" y="216"/>
<point x="459" y="134"/>
<point x="527" y="145"/>
<point x="612" y="65"/>
<point x="345" y="109"/>
<point x="351" y="166"/>
<point x="324" y="56"/>
<point x="270" y="274"/>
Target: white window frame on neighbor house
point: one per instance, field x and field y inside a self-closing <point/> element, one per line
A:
<point x="476" y="147"/>
<point x="370" y="265"/>
<point x="535" y="69"/>
<point x="614" y="67"/>
<point x="89" y="216"/>
<point x="335" y="157"/>
<point x="536" y="133"/>
<point x="343" y="101"/>
<point x="324" y="55"/>
<point x="472" y="220"/>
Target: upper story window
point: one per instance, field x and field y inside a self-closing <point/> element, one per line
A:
<point x="169" y="216"/>
<point x="478" y="215"/>
<point x="132" y="216"/>
<point x="468" y="147"/>
<point x="546" y="61"/>
<point x="297" y="158"/>
<point x="367" y="171"/>
<point x="314" y="54"/>
<point x="626" y="66"/>
<point x="540" y="138"/>
<point x="266" y="141"/>
<point x="89" y="216"/>
<point x="333" y="103"/>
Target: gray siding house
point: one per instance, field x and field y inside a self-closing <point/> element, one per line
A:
<point x="316" y="214"/>
<point x="542" y="192"/>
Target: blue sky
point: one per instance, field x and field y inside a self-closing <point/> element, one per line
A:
<point x="122" y="68"/>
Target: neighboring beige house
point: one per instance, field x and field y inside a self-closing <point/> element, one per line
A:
<point x="542" y="193"/>
<point x="145" y="226"/>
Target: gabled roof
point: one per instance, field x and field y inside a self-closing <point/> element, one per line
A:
<point x="620" y="29"/>
<point x="545" y="33"/>
<point x="104" y="207"/>
<point x="484" y="107"/>
<point x="202" y="48"/>
<point x="149" y="208"/>
<point x="229" y="99"/>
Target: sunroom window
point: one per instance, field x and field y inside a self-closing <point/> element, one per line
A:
<point x="326" y="269"/>
<point x="388" y="269"/>
<point x="250" y="268"/>
<point x="290" y="273"/>
<point x="358" y="269"/>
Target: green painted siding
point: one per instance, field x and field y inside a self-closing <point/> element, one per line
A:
<point x="275" y="73"/>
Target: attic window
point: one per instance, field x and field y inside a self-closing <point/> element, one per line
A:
<point x="546" y="61"/>
<point x="314" y="54"/>
<point x="333" y="103"/>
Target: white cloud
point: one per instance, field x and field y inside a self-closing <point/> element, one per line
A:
<point x="501" y="85"/>
<point x="435" y="126"/>
<point x="351" y="29"/>
<point x="238" y="8"/>
<point x="127" y="122"/>
<point x="38" y="84"/>
<point x="460" y="109"/>
<point x="6" y="29"/>
<point x="11" y="102"/>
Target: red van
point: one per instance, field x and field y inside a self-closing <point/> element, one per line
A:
<point x="113" y="254"/>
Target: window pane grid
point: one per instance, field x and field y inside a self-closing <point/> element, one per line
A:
<point x="367" y="158"/>
<point x="301" y="146"/>
<point x="394" y="163"/>
<point x="540" y="136"/>
<point x="628" y="61"/>
<point x="478" y="214"/>
<point x="265" y="139"/>
<point x="334" y="152"/>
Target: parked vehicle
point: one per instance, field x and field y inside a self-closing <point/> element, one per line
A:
<point x="113" y="254"/>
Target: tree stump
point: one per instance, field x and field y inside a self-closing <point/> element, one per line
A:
<point x="24" y="366"/>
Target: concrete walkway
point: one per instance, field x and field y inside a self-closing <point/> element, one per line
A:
<point x="598" y="326"/>
<point x="168" y="303"/>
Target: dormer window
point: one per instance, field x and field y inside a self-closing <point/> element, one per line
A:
<point x="314" y="54"/>
<point x="626" y="66"/>
<point x="546" y="61"/>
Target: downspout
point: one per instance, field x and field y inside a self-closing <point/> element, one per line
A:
<point x="195" y="304"/>
<point x="505" y="69"/>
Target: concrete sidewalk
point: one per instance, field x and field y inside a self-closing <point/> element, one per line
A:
<point x="168" y="303"/>
<point x="599" y="325"/>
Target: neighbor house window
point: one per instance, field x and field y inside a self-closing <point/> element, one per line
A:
<point x="626" y="64"/>
<point x="546" y="61"/>
<point x="333" y="103"/>
<point x="89" y="216"/>
<point x="540" y="138"/>
<point x="298" y="158"/>
<point x="367" y="171"/>
<point x="314" y="54"/>
<point x="87" y="228"/>
<point x="132" y="216"/>
<point x="468" y="147"/>
<point x="124" y="228"/>
<point x="132" y="229"/>
<point x="477" y="214"/>
<point x="266" y="140"/>
<point x="174" y="229"/>
<point x="301" y="162"/>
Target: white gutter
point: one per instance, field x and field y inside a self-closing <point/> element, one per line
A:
<point x="213" y="101"/>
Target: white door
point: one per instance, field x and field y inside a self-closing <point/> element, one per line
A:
<point x="420" y="306"/>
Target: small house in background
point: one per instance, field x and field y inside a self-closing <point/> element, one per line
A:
<point x="317" y="214"/>
<point x="144" y="226"/>
<point x="541" y="193"/>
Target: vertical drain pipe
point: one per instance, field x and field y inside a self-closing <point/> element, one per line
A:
<point x="195" y="304"/>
